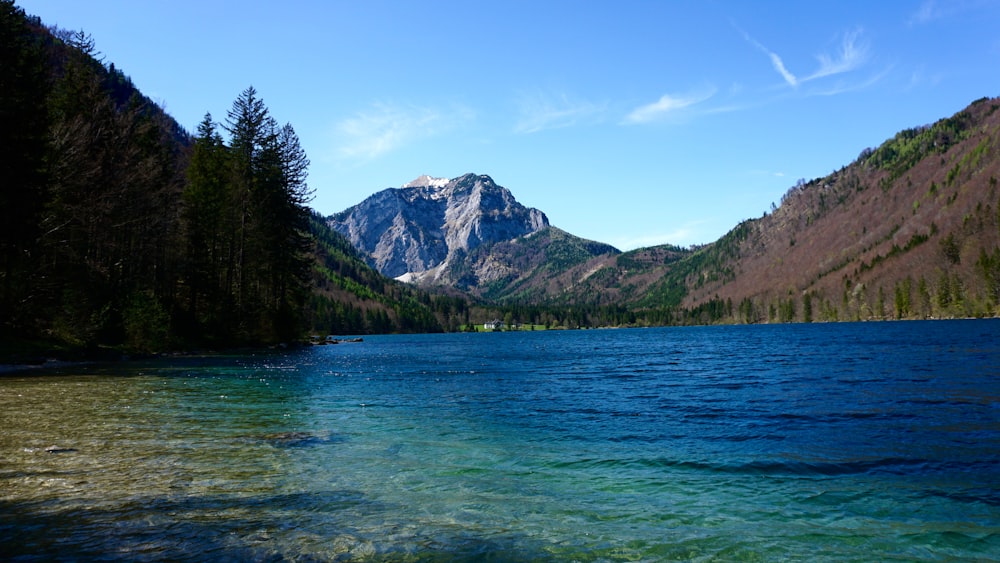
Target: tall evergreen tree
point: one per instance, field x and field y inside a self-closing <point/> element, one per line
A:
<point x="290" y="241"/>
<point x="268" y="188"/>
<point x="209" y="223"/>
<point x="245" y="123"/>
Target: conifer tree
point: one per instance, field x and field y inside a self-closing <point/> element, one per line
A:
<point x="245" y="123"/>
<point x="209" y="228"/>
<point x="268" y="188"/>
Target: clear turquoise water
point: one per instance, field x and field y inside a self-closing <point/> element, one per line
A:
<point x="844" y="442"/>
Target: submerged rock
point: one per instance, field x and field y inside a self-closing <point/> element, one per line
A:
<point x="296" y="439"/>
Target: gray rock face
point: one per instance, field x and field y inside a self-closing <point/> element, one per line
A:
<point x="420" y="226"/>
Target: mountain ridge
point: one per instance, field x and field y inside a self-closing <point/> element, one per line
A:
<point x="910" y="229"/>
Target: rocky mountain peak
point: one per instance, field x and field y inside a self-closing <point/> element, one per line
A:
<point x="424" y="223"/>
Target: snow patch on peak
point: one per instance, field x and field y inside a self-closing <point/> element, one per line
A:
<point x="426" y="181"/>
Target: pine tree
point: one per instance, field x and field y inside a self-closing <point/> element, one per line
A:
<point x="269" y="190"/>
<point x="292" y="267"/>
<point x="245" y="124"/>
<point x="209" y="231"/>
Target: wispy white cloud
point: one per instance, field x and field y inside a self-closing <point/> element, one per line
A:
<point x="779" y="66"/>
<point x="933" y="10"/>
<point x="539" y="111"/>
<point x="668" y="104"/>
<point x="776" y="61"/>
<point x="842" y="87"/>
<point x="385" y="127"/>
<point x="853" y="54"/>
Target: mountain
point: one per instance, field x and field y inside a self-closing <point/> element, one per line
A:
<point x="910" y="229"/>
<point x="418" y="227"/>
<point x="467" y="232"/>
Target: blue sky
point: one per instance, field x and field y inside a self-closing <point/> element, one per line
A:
<point x="630" y="122"/>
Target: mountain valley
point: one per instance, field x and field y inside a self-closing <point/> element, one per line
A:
<point x="908" y="230"/>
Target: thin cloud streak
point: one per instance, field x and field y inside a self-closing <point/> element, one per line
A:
<point x="539" y="112"/>
<point x="666" y="105"/>
<point x="779" y="66"/>
<point x="853" y="54"/>
<point x="776" y="61"/>
<point x="386" y="127"/>
<point x="852" y="87"/>
<point x="934" y="10"/>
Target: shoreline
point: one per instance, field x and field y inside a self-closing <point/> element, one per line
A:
<point x="12" y="368"/>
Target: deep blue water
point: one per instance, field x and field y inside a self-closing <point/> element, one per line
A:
<point x="870" y="441"/>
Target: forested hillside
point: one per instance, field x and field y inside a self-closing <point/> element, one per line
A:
<point x="910" y="229"/>
<point x="349" y="297"/>
<point x="120" y="229"/>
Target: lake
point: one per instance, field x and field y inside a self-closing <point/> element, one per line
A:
<point x="835" y="442"/>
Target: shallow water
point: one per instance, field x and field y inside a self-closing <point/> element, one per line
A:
<point x="811" y="442"/>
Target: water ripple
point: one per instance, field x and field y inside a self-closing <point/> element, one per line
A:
<point x="833" y="442"/>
